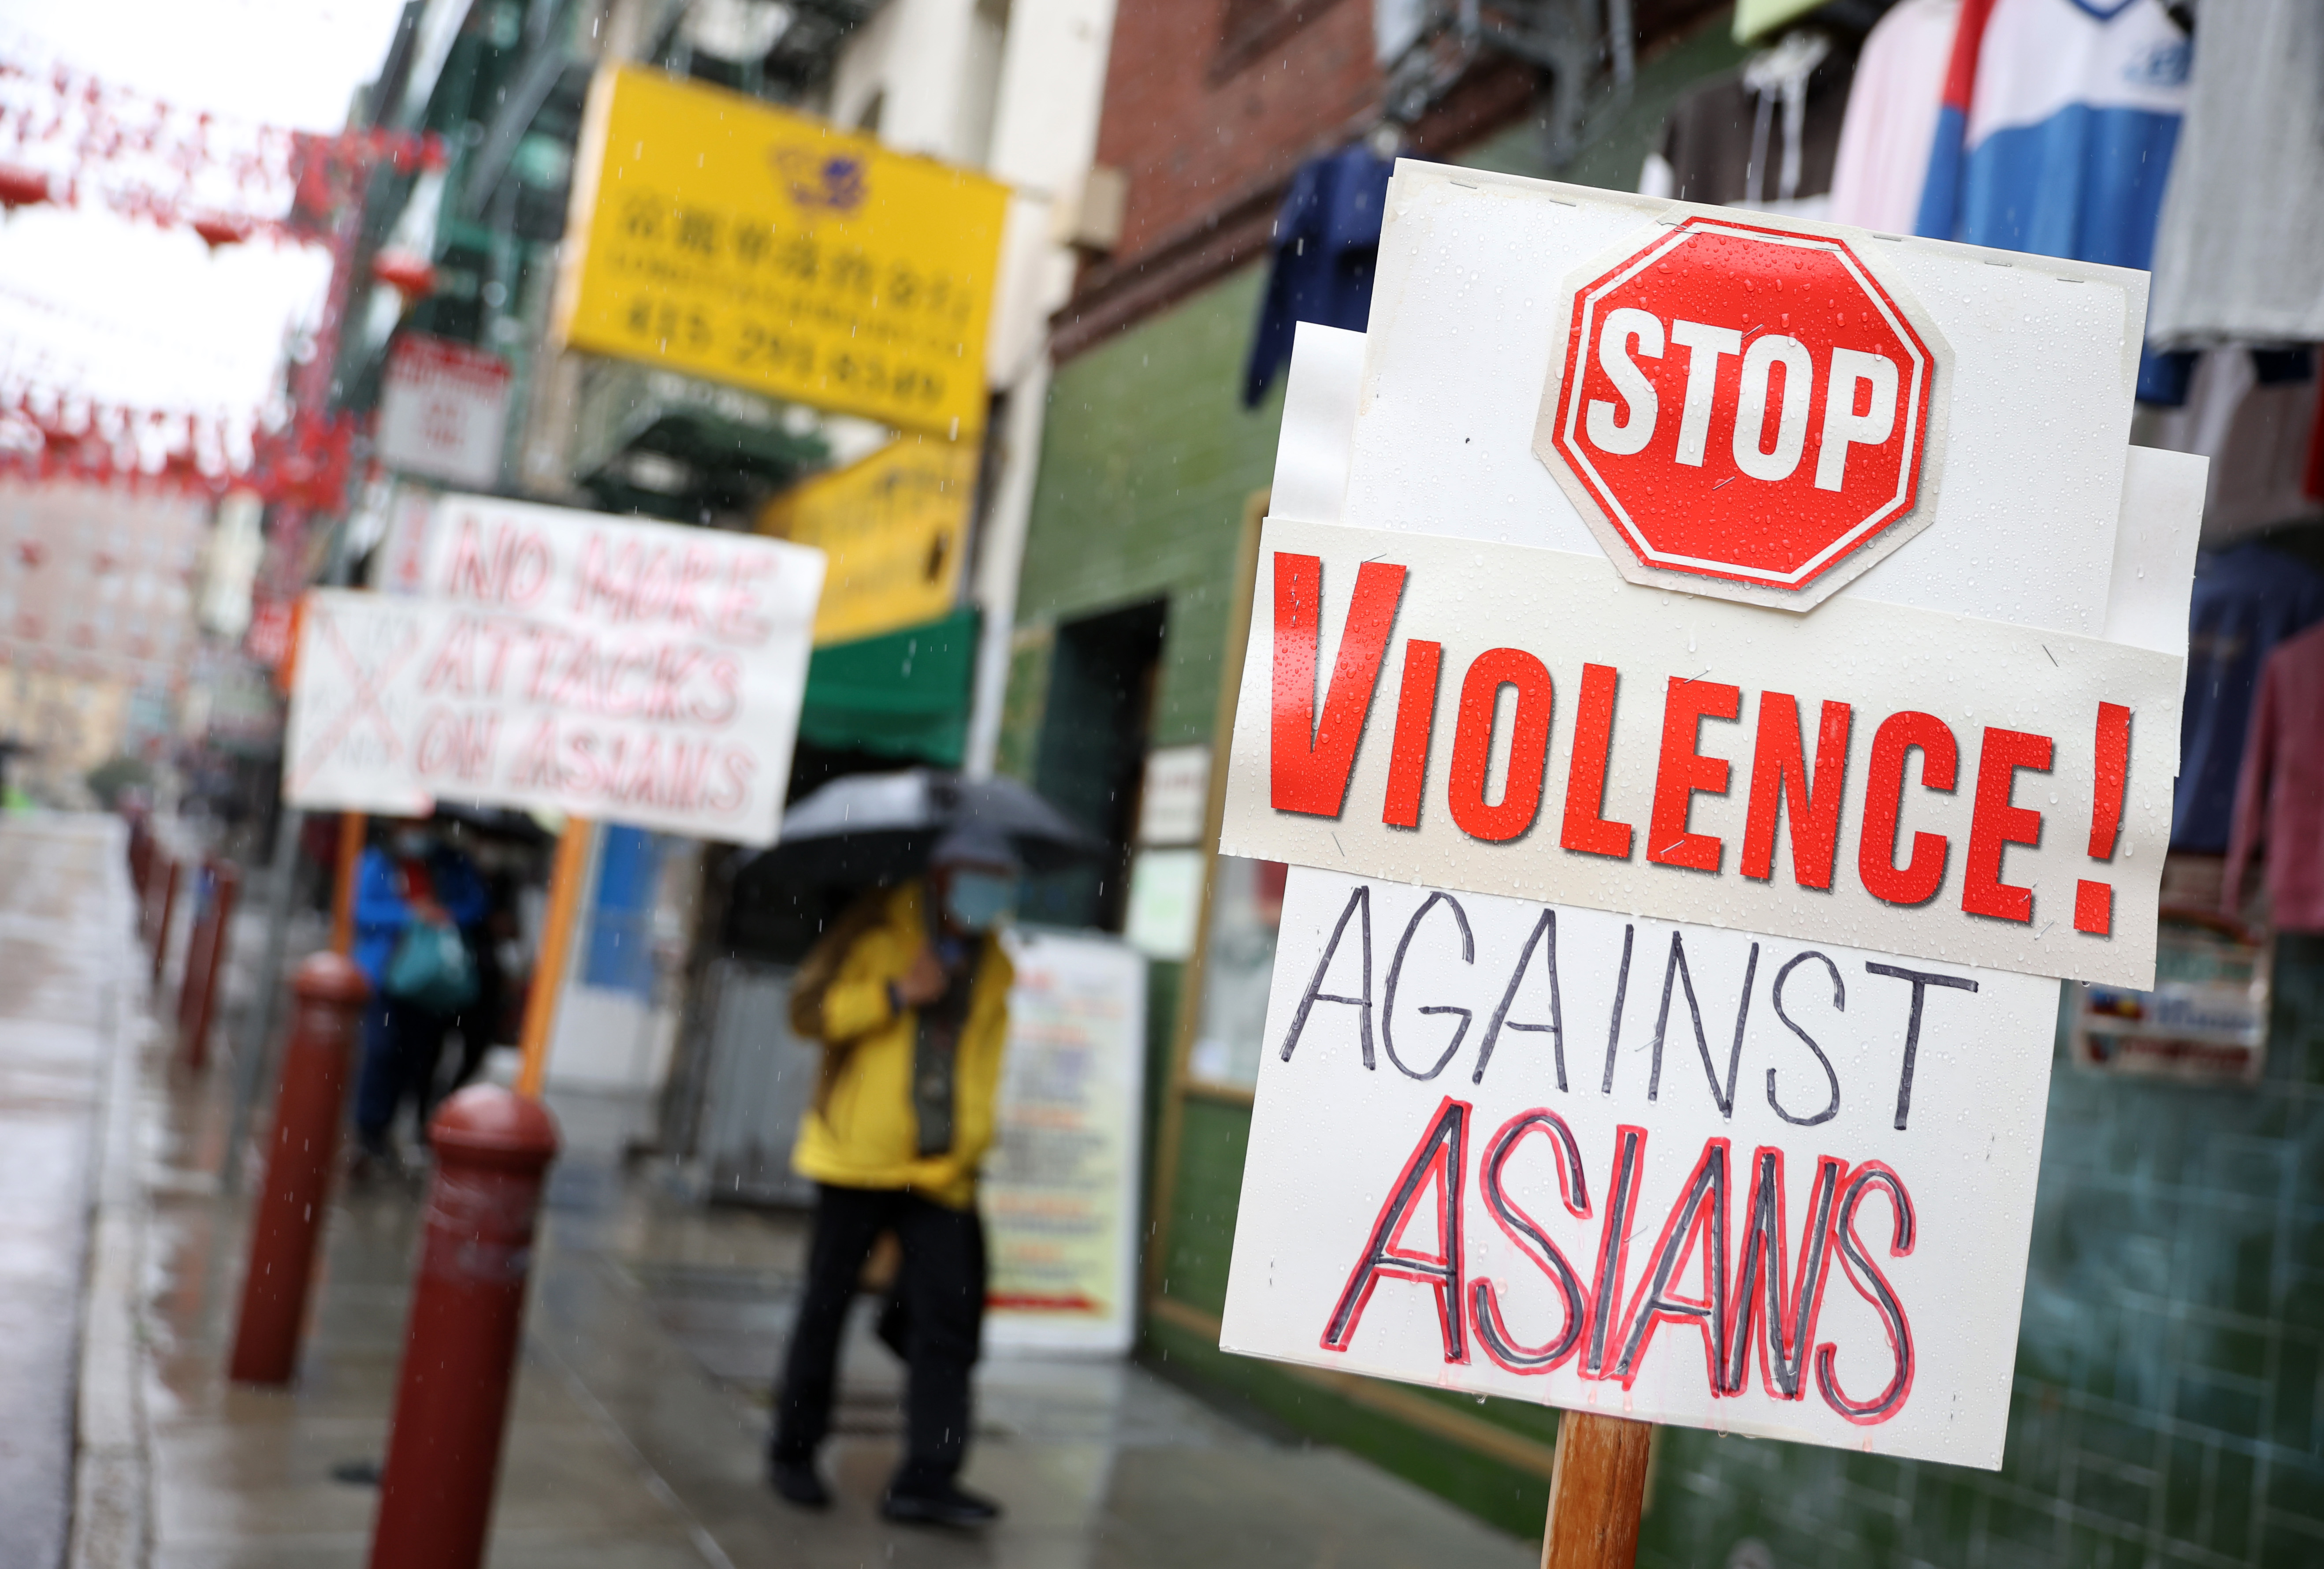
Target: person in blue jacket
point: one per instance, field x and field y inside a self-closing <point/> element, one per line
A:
<point x="416" y="876"/>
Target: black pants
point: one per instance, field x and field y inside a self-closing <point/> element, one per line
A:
<point x="402" y="1047"/>
<point x="941" y="1291"/>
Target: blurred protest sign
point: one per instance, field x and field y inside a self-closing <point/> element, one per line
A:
<point x="569" y="660"/>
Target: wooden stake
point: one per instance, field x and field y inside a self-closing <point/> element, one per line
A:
<point x="343" y="886"/>
<point x="548" y="966"/>
<point x="1596" y="1486"/>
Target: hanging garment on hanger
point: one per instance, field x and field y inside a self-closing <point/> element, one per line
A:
<point x="1326" y="240"/>
<point x="2252" y="412"/>
<point x="2280" y="795"/>
<point x="2240" y="252"/>
<point x="1892" y="117"/>
<point x="2059" y="121"/>
<point x="2246" y="601"/>
<point x="1763" y="136"/>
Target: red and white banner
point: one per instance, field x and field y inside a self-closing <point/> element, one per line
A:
<point x="639" y="672"/>
<point x="443" y="411"/>
<point x="1516" y="721"/>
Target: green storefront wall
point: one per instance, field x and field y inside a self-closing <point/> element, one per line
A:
<point x="2167" y="1405"/>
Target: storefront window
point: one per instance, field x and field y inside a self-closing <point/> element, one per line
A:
<point x="1245" y="911"/>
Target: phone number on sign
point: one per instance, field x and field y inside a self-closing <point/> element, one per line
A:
<point x="758" y="348"/>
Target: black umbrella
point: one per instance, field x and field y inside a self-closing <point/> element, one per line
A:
<point x="880" y="827"/>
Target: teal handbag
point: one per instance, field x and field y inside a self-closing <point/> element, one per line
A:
<point x="432" y="969"/>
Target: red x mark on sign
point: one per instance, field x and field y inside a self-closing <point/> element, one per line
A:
<point x="368" y="683"/>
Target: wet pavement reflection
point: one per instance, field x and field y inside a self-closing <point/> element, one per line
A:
<point x="640" y="1413"/>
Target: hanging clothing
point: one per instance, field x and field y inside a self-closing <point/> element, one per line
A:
<point x="1764" y="136"/>
<point x="2252" y="412"/>
<point x="1326" y="241"/>
<point x="1883" y="158"/>
<point x="2246" y="601"/>
<point x="2240" y="252"/>
<point x="2055" y="136"/>
<point x="2279" y="793"/>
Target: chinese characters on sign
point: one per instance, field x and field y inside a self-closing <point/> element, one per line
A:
<point x="735" y="241"/>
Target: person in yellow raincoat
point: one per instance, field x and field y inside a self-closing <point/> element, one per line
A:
<point x="910" y="996"/>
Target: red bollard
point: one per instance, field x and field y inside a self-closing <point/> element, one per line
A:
<point x="206" y="953"/>
<point x="162" y="922"/>
<point x="305" y="1141"/>
<point x="198" y="943"/>
<point x="459" y="1355"/>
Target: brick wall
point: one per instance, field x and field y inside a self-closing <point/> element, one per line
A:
<point x="1212" y="104"/>
<point x="1193" y="139"/>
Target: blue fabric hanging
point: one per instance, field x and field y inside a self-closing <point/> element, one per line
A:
<point x="2246" y="601"/>
<point x="1326" y="240"/>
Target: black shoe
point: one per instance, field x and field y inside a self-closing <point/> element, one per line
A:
<point x="796" y="1483"/>
<point x="943" y="1505"/>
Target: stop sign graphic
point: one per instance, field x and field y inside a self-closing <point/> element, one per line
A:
<point x="1743" y="411"/>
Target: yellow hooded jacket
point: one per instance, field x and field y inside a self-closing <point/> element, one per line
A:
<point x="862" y="1131"/>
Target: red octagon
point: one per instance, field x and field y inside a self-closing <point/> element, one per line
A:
<point x="1744" y="403"/>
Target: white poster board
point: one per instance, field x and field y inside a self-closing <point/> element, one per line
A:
<point x="1513" y="719"/>
<point x="443" y="411"/>
<point x="1404" y="1214"/>
<point x="1463" y="1099"/>
<point x="639" y="672"/>
<point x="1060" y="1189"/>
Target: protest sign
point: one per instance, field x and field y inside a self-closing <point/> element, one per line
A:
<point x="1510" y="720"/>
<point x="640" y="672"/>
<point x="1552" y="1057"/>
<point x="1666" y="1171"/>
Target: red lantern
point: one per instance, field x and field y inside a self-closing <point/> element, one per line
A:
<point x="222" y="229"/>
<point x="408" y="275"/>
<point x="22" y="186"/>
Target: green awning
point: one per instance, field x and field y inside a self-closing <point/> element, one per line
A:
<point x="903" y="694"/>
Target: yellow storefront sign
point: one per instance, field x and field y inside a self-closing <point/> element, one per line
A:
<point x="893" y="526"/>
<point x="716" y="234"/>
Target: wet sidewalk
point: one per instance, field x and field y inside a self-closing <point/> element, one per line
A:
<point x="640" y="1413"/>
<point x="66" y="981"/>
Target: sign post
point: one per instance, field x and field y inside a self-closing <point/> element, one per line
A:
<point x="1741" y="678"/>
<point x="1597" y="1487"/>
<point x="565" y="878"/>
